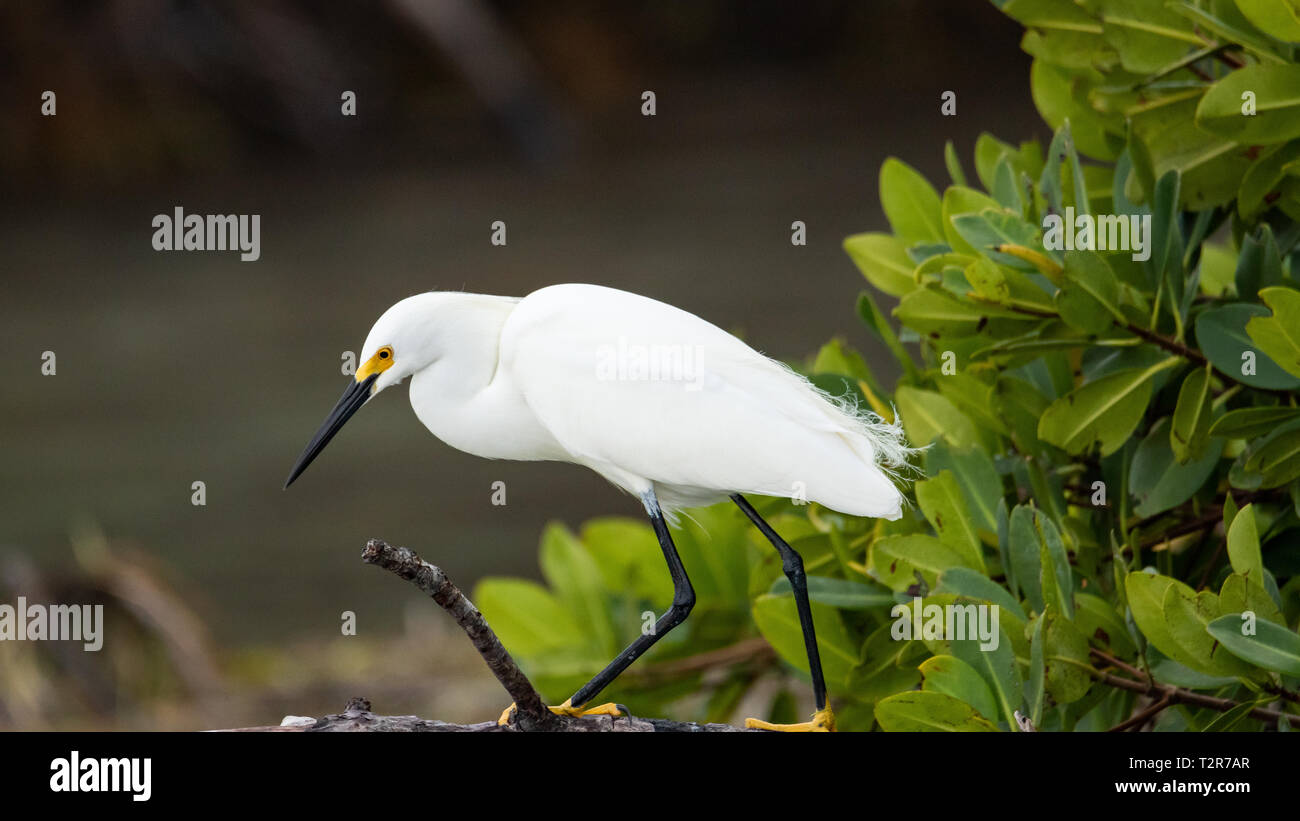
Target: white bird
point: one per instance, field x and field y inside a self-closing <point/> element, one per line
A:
<point x="660" y="402"/>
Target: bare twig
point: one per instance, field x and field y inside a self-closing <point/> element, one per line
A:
<point x="1174" y="695"/>
<point x="1136" y="721"/>
<point x="405" y="563"/>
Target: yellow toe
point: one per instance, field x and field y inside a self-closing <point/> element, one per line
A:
<point x="823" y="721"/>
<point x="505" y="715"/>
<point x="566" y="709"/>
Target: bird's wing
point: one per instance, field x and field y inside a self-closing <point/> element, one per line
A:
<point x="634" y="387"/>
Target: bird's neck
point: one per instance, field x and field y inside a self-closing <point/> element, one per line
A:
<point x="460" y="398"/>
<point x="469" y="331"/>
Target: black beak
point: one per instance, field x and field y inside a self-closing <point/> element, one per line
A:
<point x="349" y="403"/>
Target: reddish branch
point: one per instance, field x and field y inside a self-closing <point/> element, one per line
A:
<point x="1166" y="694"/>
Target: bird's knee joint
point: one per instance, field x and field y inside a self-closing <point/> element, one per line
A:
<point x="682" y="606"/>
<point x="793" y="566"/>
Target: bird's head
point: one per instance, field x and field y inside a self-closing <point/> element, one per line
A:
<point x="401" y="343"/>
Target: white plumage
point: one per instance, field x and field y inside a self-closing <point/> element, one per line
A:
<point x="647" y="395"/>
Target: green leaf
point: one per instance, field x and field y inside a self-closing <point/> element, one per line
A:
<point x="1260" y="263"/>
<point x="1158" y="482"/>
<point x="894" y="558"/>
<point x="1022" y="405"/>
<point x="953" y="164"/>
<point x="1061" y="95"/>
<point x="1145" y="34"/>
<point x="997" y="666"/>
<point x="836" y="358"/>
<point x="1238" y="595"/>
<point x="1140" y="183"/>
<point x="1064" y="650"/>
<point x="927" y="711"/>
<point x="1218" y="266"/>
<point x="883" y="260"/>
<point x="1146" y="595"/>
<point x="988" y="281"/>
<point x="997" y="226"/>
<point x="944" y="507"/>
<point x="888" y="665"/>
<point x="1221" y="333"/>
<point x="1251" y="422"/>
<point x="715" y="547"/>
<point x="1006" y="188"/>
<point x="576" y="580"/>
<point x="1103" y="412"/>
<point x="1272" y="646"/>
<point x="911" y="204"/>
<point x="1164" y="135"/>
<point x="1264" y="177"/>
<point x="952" y="676"/>
<point x="875" y="320"/>
<point x="1270" y="461"/>
<point x="962" y="581"/>
<point x="1168" y="671"/>
<point x="1230" y="26"/>
<point x="1055" y="576"/>
<point x="1276" y="18"/>
<point x="1243" y="546"/>
<point x="1187" y="615"/>
<point x="527" y="618"/>
<point x="1189" y="432"/>
<point x="1024" y="549"/>
<point x="1276" y="89"/>
<point x="991" y="282"/>
<point x="1089" y="297"/>
<point x="841" y="593"/>
<point x="989" y="151"/>
<point x="973" y="397"/>
<point x="1225" y="721"/>
<point x="976" y="476"/>
<point x="1097" y="619"/>
<point x="778" y="621"/>
<point x="958" y="200"/>
<point x="630" y="558"/>
<point x="1278" y="335"/>
<point x="927" y="415"/>
<point x="1059" y="31"/>
<point x="1004" y="547"/>
<point x="1166" y="262"/>
<point x="1036" y="684"/>
<point x="932" y="309"/>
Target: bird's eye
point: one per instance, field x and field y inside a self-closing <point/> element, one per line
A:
<point x="383" y="354"/>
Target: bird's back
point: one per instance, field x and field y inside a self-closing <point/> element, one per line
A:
<point x="643" y="392"/>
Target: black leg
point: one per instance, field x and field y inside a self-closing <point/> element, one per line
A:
<point x="683" y="601"/>
<point x="792" y="563"/>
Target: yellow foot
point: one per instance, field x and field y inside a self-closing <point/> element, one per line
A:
<point x="823" y="721"/>
<point x="567" y="709"/>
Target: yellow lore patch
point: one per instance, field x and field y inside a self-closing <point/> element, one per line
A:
<point x="380" y="362"/>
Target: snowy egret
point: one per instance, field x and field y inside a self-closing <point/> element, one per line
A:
<point x="661" y="403"/>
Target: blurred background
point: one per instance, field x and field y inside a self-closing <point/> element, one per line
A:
<point x="180" y="367"/>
